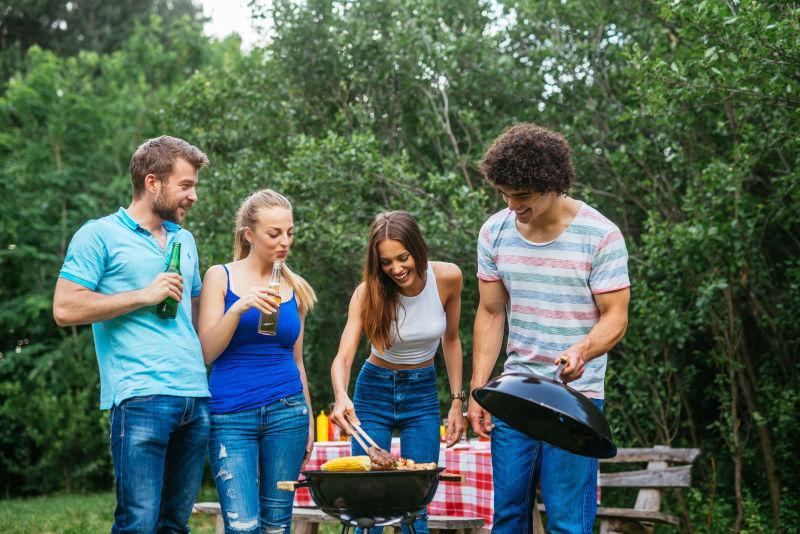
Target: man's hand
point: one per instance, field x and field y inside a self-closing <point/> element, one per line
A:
<point x="480" y="419"/>
<point x="574" y="367"/>
<point x="164" y="285"/>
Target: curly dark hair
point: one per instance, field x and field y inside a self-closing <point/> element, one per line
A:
<point x="527" y="157"/>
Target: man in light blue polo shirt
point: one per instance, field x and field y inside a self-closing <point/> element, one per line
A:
<point x="152" y="375"/>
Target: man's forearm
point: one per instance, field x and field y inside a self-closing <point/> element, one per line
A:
<point x="487" y="342"/>
<point x="87" y="307"/>
<point x="608" y="331"/>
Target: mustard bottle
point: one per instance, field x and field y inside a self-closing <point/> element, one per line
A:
<point x="322" y="426"/>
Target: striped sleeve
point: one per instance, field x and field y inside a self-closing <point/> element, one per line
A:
<point x="610" y="264"/>
<point x="487" y="268"/>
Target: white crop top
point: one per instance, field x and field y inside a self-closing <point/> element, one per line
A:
<point x="421" y="323"/>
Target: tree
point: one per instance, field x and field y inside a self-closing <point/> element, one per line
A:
<point x="69" y="127"/>
<point x="68" y="27"/>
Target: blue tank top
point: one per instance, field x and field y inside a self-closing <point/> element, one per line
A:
<point x="255" y="370"/>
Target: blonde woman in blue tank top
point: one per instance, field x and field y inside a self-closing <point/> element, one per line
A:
<point x="261" y="424"/>
<point x="406" y="306"/>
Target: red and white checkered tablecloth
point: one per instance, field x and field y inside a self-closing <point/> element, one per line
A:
<point x="471" y="498"/>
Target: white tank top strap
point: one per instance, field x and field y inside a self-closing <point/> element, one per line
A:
<point x="420" y="325"/>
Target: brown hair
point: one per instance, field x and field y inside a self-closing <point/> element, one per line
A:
<point x="382" y="296"/>
<point x="246" y="217"/>
<point x="527" y="157"/>
<point x="157" y="156"/>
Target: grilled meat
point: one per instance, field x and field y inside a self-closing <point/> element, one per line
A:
<point x="381" y="460"/>
<point x="402" y="464"/>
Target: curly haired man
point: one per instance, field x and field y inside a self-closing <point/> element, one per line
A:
<point x="558" y="269"/>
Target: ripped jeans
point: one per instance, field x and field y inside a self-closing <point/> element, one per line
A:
<point x="250" y="452"/>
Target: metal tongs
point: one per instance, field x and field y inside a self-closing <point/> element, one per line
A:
<point x="360" y="435"/>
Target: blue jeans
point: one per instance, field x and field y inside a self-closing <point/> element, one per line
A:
<point x="406" y="400"/>
<point x="158" y="443"/>
<point x="250" y="452"/>
<point x="569" y="483"/>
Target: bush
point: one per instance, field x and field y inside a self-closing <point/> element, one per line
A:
<point x="53" y="434"/>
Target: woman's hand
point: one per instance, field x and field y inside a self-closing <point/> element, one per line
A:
<point x="260" y="298"/>
<point x="343" y="413"/>
<point x="455" y="423"/>
<point x="309" y="443"/>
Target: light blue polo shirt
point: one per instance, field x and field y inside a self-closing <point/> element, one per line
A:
<point x="139" y="353"/>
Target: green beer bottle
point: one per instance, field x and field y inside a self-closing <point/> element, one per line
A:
<point x="168" y="308"/>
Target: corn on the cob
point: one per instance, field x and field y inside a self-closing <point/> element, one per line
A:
<point x="348" y="463"/>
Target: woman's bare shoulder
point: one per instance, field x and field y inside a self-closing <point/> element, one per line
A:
<point x="446" y="272"/>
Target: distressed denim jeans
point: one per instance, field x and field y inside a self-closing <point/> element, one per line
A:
<point x="252" y="450"/>
<point x="569" y="483"/>
<point x="158" y="444"/>
<point x="404" y="400"/>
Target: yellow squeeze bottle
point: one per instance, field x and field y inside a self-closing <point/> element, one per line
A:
<point x="322" y="426"/>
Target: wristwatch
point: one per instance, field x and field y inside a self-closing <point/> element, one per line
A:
<point x="459" y="396"/>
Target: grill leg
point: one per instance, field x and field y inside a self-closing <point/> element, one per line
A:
<point x="345" y="528"/>
<point x="411" y="528"/>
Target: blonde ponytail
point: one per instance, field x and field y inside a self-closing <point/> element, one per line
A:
<point x="303" y="292"/>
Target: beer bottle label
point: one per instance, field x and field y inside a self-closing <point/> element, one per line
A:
<point x="168" y="308"/>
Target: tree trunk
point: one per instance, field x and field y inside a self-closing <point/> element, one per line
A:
<point x="687" y="519"/>
<point x="737" y="452"/>
<point x="746" y="371"/>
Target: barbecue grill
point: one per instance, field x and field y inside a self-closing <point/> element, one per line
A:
<point x="369" y="499"/>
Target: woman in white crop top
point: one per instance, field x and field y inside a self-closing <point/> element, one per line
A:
<point x="405" y="305"/>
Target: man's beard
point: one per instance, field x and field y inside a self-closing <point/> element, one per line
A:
<point x="165" y="211"/>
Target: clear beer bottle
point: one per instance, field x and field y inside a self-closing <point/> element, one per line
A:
<point x="268" y="322"/>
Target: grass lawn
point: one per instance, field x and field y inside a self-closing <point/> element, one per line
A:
<point x="76" y="514"/>
<point x="85" y="514"/>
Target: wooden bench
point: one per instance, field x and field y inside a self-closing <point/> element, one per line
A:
<point x="307" y="521"/>
<point x="659" y="474"/>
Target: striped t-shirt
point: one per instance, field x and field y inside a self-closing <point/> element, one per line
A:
<point x="550" y="286"/>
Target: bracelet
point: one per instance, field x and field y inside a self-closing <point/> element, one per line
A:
<point x="458" y="396"/>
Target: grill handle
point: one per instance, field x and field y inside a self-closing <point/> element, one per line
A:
<point x="292" y="485"/>
<point x="451" y="477"/>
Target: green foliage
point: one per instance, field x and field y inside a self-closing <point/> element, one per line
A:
<point x="69" y="126"/>
<point x="684" y="121"/>
<point x="50" y="401"/>
<point x="68" y="28"/>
